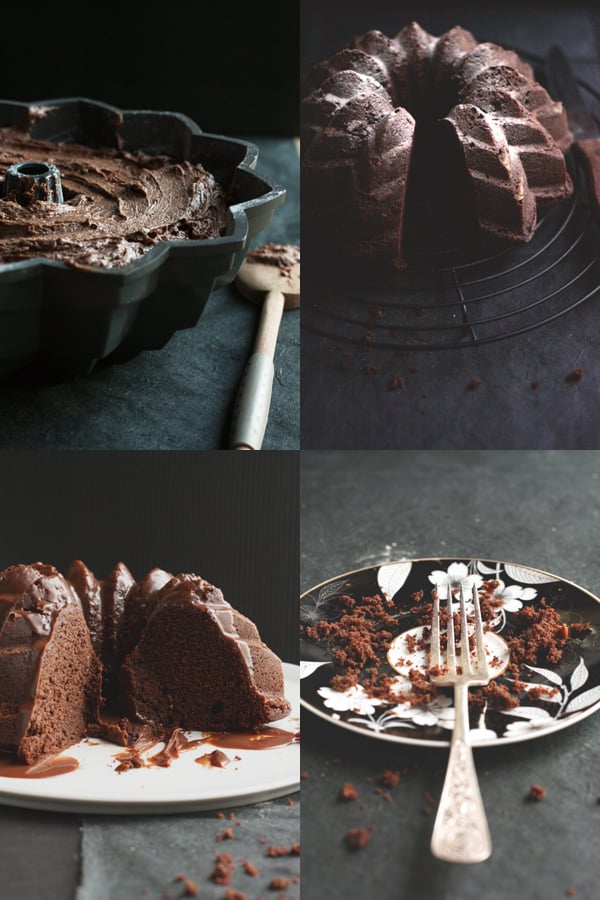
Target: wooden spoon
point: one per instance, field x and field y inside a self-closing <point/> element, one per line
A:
<point x="270" y="275"/>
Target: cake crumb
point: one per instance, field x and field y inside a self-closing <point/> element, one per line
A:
<point x="231" y="894"/>
<point x="348" y="791"/>
<point x="397" y="383"/>
<point x="223" y="869"/>
<point x="249" y="868"/>
<point x="225" y="835"/>
<point x="358" y="838"/>
<point x="535" y="385"/>
<point x="279" y="884"/>
<point x="570" y="891"/>
<point x="388" y="778"/>
<point x="304" y="775"/>
<point x="290" y="801"/>
<point x="575" y="375"/>
<point x="190" y="889"/>
<point x="536" y="792"/>
<point x="474" y="383"/>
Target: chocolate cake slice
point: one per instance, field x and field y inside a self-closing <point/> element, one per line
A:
<point x="193" y="669"/>
<point x="50" y="677"/>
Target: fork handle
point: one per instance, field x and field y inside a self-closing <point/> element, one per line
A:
<point x="460" y="832"/>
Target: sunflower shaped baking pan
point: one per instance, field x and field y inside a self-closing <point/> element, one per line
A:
<point x="115" y="226"/>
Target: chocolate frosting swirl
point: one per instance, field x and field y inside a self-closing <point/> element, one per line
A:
<point x="117" y="205"/>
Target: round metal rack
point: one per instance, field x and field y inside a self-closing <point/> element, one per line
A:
<point x="456" y="301"/>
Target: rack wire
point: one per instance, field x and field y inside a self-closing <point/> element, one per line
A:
<point x="457" y="301"/>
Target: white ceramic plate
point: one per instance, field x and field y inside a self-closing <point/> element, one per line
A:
<point x="574" y="683"/>
<point x="96" y="787"/>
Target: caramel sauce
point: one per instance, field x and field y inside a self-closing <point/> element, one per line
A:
<point x="48" y="768"/>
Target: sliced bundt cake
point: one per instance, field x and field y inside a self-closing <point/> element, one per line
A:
<point x="361" y="115"/>
<point x="165" y="652"/>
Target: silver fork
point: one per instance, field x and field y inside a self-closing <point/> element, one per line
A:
<point x="460" y="832"/>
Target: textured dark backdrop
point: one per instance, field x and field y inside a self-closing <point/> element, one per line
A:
<point x="230" y="517"/>
<point x="232" y="68"/>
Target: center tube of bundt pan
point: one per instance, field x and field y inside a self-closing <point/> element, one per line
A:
<point x="27" y="182"/>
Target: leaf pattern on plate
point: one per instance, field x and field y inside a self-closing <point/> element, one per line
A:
<point x="528" y="576"/>
<point x="307" y="668"/>
<point x="391" y="578"/>
<point x="548" y="674"/>
<point x="582" y="701"/>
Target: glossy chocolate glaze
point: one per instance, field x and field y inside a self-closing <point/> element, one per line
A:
<point x="117" y="204"/>
<point x="58" y="765"/>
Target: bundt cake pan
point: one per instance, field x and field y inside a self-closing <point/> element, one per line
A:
<point x="71" y="317"/>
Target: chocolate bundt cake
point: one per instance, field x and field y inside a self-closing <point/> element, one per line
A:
<point x="473" y="110"/>
<point x="82" y="657"/>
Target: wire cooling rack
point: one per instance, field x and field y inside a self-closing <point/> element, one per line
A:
<point x="458" y="302"/>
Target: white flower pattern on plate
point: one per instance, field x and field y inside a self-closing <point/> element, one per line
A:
<point x="456" y="574"/>
<point x="439" y="712"/>
<point x="510" y="597"/>
<point x="354" y="699"/>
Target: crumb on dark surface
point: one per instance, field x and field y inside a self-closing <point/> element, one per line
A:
<point x="575" y="375"/>
<point x="536" y="792"/>
<point x="474" y="383"/>
<point x="290" y="801"/>
<point x="249" y="868"/>
<point x="279" y="884"/>
<point x="358" y="838"/>
<point x="231" y="894"/>
<point x="276" y="852"/>
<point x="388" y="778"/>
<point x="535" y="385"/>
<point x="570" y="891"/>
<point x="371" y="369"/>
<point x="225" y="835"/>
<point x="304" y="775"/>
<point x="397" y="383"/>
<point x="348" y="791"/>
<point x="221" y="874"/>
<point x="190" y="889"/>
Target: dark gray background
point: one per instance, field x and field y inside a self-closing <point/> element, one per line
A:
<point x="540" y="509"/>
<point x="230" y="517"/>
<point x="346" y="405"/>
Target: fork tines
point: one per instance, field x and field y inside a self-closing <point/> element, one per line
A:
<point x="476" y="667"/>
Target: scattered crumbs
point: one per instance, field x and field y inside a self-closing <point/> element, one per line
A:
<point x="249" y="868"/>
<point x="304" y="775"/>
<point x="535" y="385"/>
<point x="220" y="815"/>
<point x="348" y="791"/>
<point x="180" y="877"/>
<point x="221" y="874"/>
<point x="397" y="383"/>
<point x="190" y="889"/>
<point x="295" y="850"/>
<point x="536" y="792"/>
<point x="225" y="835"/>
<point x="474" y="383"/>
<point x="358" y="838"/>
<point x="570" y="891"/>
<point x="370" y="337"/>
<point x="231" y="816"/>
<point x="429" y="798"/>
<point x="575" y="375"/>
<point x="290" y="801"/>
<point x="238" y="822"/>
<point x="230" y="894"/>
<point x="371" y="369"/>
<point x="279" y="884"/>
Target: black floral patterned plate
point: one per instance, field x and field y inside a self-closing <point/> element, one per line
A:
<point x="551" y="697"/>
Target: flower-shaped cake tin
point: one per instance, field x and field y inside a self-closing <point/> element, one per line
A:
<point x="70" y="317"/>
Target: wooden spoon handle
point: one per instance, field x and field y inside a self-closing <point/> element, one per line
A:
<point x="253" y="402"/>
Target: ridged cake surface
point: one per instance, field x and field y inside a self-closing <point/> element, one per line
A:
<point x="500" y="135"/>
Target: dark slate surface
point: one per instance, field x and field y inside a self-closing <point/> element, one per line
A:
<point x="346" y="397"/>
<point x="180" y="397"/>
<point x="363" y="509"/>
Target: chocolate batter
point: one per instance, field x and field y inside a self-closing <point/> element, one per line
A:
<point x="117" y="204"/>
